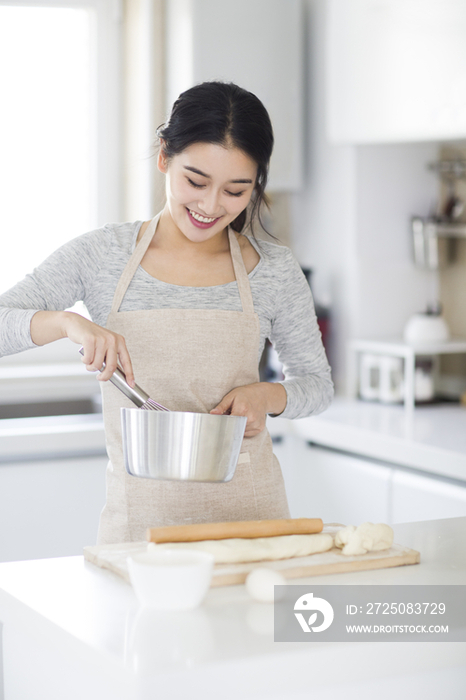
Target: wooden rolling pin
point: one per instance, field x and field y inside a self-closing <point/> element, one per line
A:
<point x="244" y="529"/>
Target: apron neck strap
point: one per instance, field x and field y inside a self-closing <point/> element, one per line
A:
<point x="133" y="263"/>
<point x="244" y="288"/>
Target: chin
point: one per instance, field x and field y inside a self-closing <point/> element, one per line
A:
<point x="199" y="236"/>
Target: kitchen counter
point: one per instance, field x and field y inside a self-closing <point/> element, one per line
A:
<point x="71" y="630"/>
<point x="432" y="438"/>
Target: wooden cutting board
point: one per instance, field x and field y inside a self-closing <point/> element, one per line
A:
<point x="113" y="557"/>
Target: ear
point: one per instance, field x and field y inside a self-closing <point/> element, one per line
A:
<point x="162" y="159"/>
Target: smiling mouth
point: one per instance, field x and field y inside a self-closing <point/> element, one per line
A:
<point x="206" y="220"/>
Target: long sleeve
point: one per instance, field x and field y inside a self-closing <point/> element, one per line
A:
<point x="88" y="269"/>
<point x="297" y="339"/>
<point x="56" y="284"/>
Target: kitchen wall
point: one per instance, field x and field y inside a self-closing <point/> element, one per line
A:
<point x="351" y="221"/>
<point x="322" y="213"/>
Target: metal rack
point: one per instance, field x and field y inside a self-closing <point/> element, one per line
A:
<point x="451" y="169"/>
<point x="433" y="236"/>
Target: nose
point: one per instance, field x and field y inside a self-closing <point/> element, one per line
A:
<point x="208" y="202"/>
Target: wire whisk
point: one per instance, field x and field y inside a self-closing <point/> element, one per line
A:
<point x="151" y="405"/>
<point x="137" y="395"/>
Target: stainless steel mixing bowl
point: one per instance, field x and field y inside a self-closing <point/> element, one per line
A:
<point x="181" y="446"/>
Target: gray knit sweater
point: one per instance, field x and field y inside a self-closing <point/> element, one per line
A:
<point x="88" y="268"/>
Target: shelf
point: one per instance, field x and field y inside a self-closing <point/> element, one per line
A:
<point x="451" y="230"/>
<point x="396" y="347"/>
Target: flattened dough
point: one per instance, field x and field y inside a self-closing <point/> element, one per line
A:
<point x="235" y="551"/>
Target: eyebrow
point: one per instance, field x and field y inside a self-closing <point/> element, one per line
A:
<point x="199" y="172"/>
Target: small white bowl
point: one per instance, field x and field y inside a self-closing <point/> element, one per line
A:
<point x="171" y="579"/>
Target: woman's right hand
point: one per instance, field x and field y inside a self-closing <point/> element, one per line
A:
<point x="100" y="346"/>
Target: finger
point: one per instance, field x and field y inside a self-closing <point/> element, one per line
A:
<point x="88" y="352"/>
<point x="253" y="430"/>
<point x="251" y="433"/>
<point x="240" y="408"/>
<point x="126" y="364"/>
<point x="99" y="356"/>
<point x="89" y="356"/>
<point x="224" y="406"/>
<point x="255" y="425"/>
<point x="111" y="361"/>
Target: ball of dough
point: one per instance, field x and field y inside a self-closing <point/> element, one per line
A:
<point x="344" y="535"/>
<point x="364" y="538"/>
<point x="260" y="584"/>
<point x="355" y="545"/>
<point x="376" y="537"/>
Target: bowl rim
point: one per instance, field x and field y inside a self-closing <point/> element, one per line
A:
<point x="156" y="415"/>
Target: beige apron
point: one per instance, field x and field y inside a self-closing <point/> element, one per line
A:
<point x="187" y="359"/>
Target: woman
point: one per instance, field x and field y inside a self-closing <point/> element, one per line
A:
<point x="184" y="303"/>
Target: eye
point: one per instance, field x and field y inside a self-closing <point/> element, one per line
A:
<point x="235" y="194"/>
<point x="194" y="184"/>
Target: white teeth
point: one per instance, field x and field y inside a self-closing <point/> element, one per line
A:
<point x="202" y="219"/>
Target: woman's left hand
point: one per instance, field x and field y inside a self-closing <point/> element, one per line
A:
<point x="254" y="401"/>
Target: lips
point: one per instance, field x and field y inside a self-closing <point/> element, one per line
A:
<point x="207" y="223"/>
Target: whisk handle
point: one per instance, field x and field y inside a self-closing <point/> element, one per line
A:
<point x="137" y="395"/>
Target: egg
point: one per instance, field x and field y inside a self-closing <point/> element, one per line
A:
<point x="260" y="584"/>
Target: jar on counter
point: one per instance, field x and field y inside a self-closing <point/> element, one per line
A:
<point x="369" y="377"/>
<point x="391" y="379"/>
<point x="424" y="389"/>
<point x="381" y="378"/>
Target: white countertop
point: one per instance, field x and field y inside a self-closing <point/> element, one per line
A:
<point x="432" y="438"/>
<point x="72" y="630"/>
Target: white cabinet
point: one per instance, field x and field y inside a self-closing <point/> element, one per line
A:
<point x="345" y="488"/>
<point x="50" y="508"/>
<point x="396" y="70"/>
<point x="418" y="497"/>
<point x="336" y="487"/>
<point x="259" y="46"/>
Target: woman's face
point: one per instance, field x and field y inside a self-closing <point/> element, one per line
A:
<point x="207" y="186"/>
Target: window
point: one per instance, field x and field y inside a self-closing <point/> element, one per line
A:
<point x="59" y="136"/>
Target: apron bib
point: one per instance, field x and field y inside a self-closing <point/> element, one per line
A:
<point x="187" y="359"/>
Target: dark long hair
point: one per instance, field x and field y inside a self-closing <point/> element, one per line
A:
<point x="225" y="114"/>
